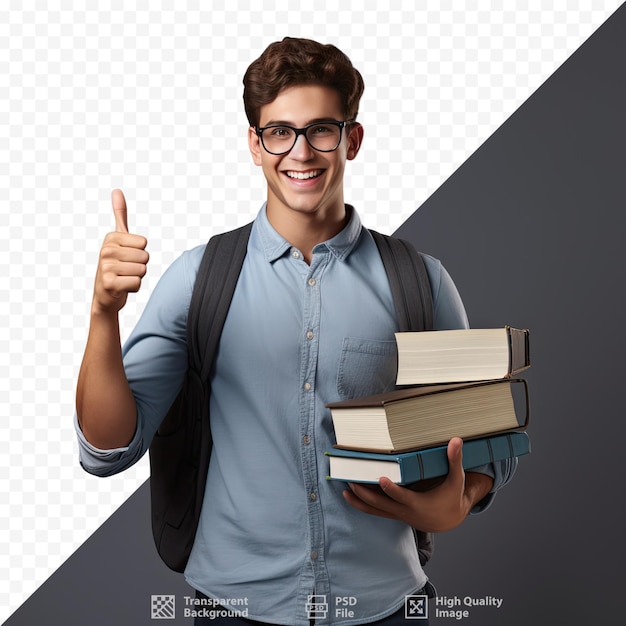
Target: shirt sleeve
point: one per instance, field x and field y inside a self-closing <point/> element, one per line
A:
<point x="155" y="361"/>
<point x="449" y="313"/>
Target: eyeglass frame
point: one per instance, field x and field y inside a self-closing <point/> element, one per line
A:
<point x="303" y="131"/>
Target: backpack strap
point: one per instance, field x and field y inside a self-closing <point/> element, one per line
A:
<point x="213" y="291"/>
<point x="409" y="282"/>
<point x="413" y="301"/>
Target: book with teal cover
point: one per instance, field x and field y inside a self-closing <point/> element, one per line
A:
<point x="411" y="467"/>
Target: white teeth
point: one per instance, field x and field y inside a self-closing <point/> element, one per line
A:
<point x="304" y="175"/>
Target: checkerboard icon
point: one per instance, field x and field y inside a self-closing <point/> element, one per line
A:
<point x="163" y="607"/>
<point x="416" y="607"/>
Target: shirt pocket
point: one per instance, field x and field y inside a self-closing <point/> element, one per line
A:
<point x="366" y="366"/>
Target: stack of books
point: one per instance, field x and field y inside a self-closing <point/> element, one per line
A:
<point x="462" y="383"/>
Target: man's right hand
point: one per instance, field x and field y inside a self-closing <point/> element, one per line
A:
<point x="122" y="264"/>
<point x="105" y="405"/>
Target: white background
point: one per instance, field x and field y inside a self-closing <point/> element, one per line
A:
<point x="149" y="100"/>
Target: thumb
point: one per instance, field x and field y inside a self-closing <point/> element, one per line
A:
<point x="120" y="211"/>
<point x="455" y="456"/>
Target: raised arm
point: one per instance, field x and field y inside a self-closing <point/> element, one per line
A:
<point x="104" y="402"/>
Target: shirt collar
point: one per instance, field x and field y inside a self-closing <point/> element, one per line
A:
<point x="341" y="245"/>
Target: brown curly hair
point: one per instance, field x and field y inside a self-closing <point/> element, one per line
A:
<point x="293" y="62"/>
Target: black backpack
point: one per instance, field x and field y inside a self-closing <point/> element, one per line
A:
<point x="181" y="448"/>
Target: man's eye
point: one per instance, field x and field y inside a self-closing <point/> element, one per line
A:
<point x="320" y="130"/>
<point x="280" y="132"/>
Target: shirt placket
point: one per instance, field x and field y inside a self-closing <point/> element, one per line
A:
<point x="314" y="586"/>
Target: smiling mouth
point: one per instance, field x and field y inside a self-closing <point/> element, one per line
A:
<point x="303" y="175"/>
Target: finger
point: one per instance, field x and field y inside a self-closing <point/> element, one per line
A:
<point x="375" y="498"/>
<point x="124" y="247"/>
<point x="455" y="459"/>
<point x="130" y="269"/>
<point x="359" y="504"/>
<point x="399" y="494"/>
<point x="119" y="210"/>
<point x="128" y="284"/>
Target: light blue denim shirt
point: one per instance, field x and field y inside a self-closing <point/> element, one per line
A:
<point x="273" y="530"/>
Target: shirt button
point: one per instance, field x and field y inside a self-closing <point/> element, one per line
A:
<point x="313" y="497"/>
<point x="306" y="439"/>
<point x="307" y="386"/>
<point x="312" y="282"/>
<point x="295" y="254"/>
<point x="314" y="554"/>
<point x="310" y="335"/>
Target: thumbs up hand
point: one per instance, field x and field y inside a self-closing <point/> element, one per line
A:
<point x="122" y="263"/>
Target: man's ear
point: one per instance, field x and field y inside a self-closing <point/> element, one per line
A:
<point x="355" y="138"/>
<point x="254" y="143"/>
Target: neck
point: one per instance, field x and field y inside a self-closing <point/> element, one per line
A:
<point x="305" y="230"/>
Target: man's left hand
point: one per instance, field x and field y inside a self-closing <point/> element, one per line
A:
<point x="439" y="509"/>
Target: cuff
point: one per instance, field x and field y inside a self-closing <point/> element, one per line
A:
<point x="106" y="462"/>
<point x="501" y="472"/>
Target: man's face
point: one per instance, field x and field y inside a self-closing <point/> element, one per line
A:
<point x="321" y="194"/>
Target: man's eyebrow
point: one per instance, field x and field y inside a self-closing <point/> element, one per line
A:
<point x="317" y="120"/>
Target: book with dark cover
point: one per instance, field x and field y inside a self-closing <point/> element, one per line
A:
<point x="426" y="416"/>
<point x="469" y="354"/>
<point x="411" y="467"/>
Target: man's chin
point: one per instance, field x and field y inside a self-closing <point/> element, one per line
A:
<point x="305" y="206"/>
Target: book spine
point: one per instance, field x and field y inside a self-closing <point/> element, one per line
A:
<point x="519" y="349"/>
<point x="434" y="462"/>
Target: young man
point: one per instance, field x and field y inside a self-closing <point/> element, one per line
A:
<point x="311" y="321"/>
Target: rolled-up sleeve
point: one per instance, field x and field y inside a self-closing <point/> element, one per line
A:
<point x="106" y="462"/>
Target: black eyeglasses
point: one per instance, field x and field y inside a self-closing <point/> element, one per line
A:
<point x="321" y="136"/>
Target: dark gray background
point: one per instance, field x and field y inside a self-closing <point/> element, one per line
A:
<point x="531" y="228"/>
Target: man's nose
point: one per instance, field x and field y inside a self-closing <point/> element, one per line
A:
<point x="301" y="149"/>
